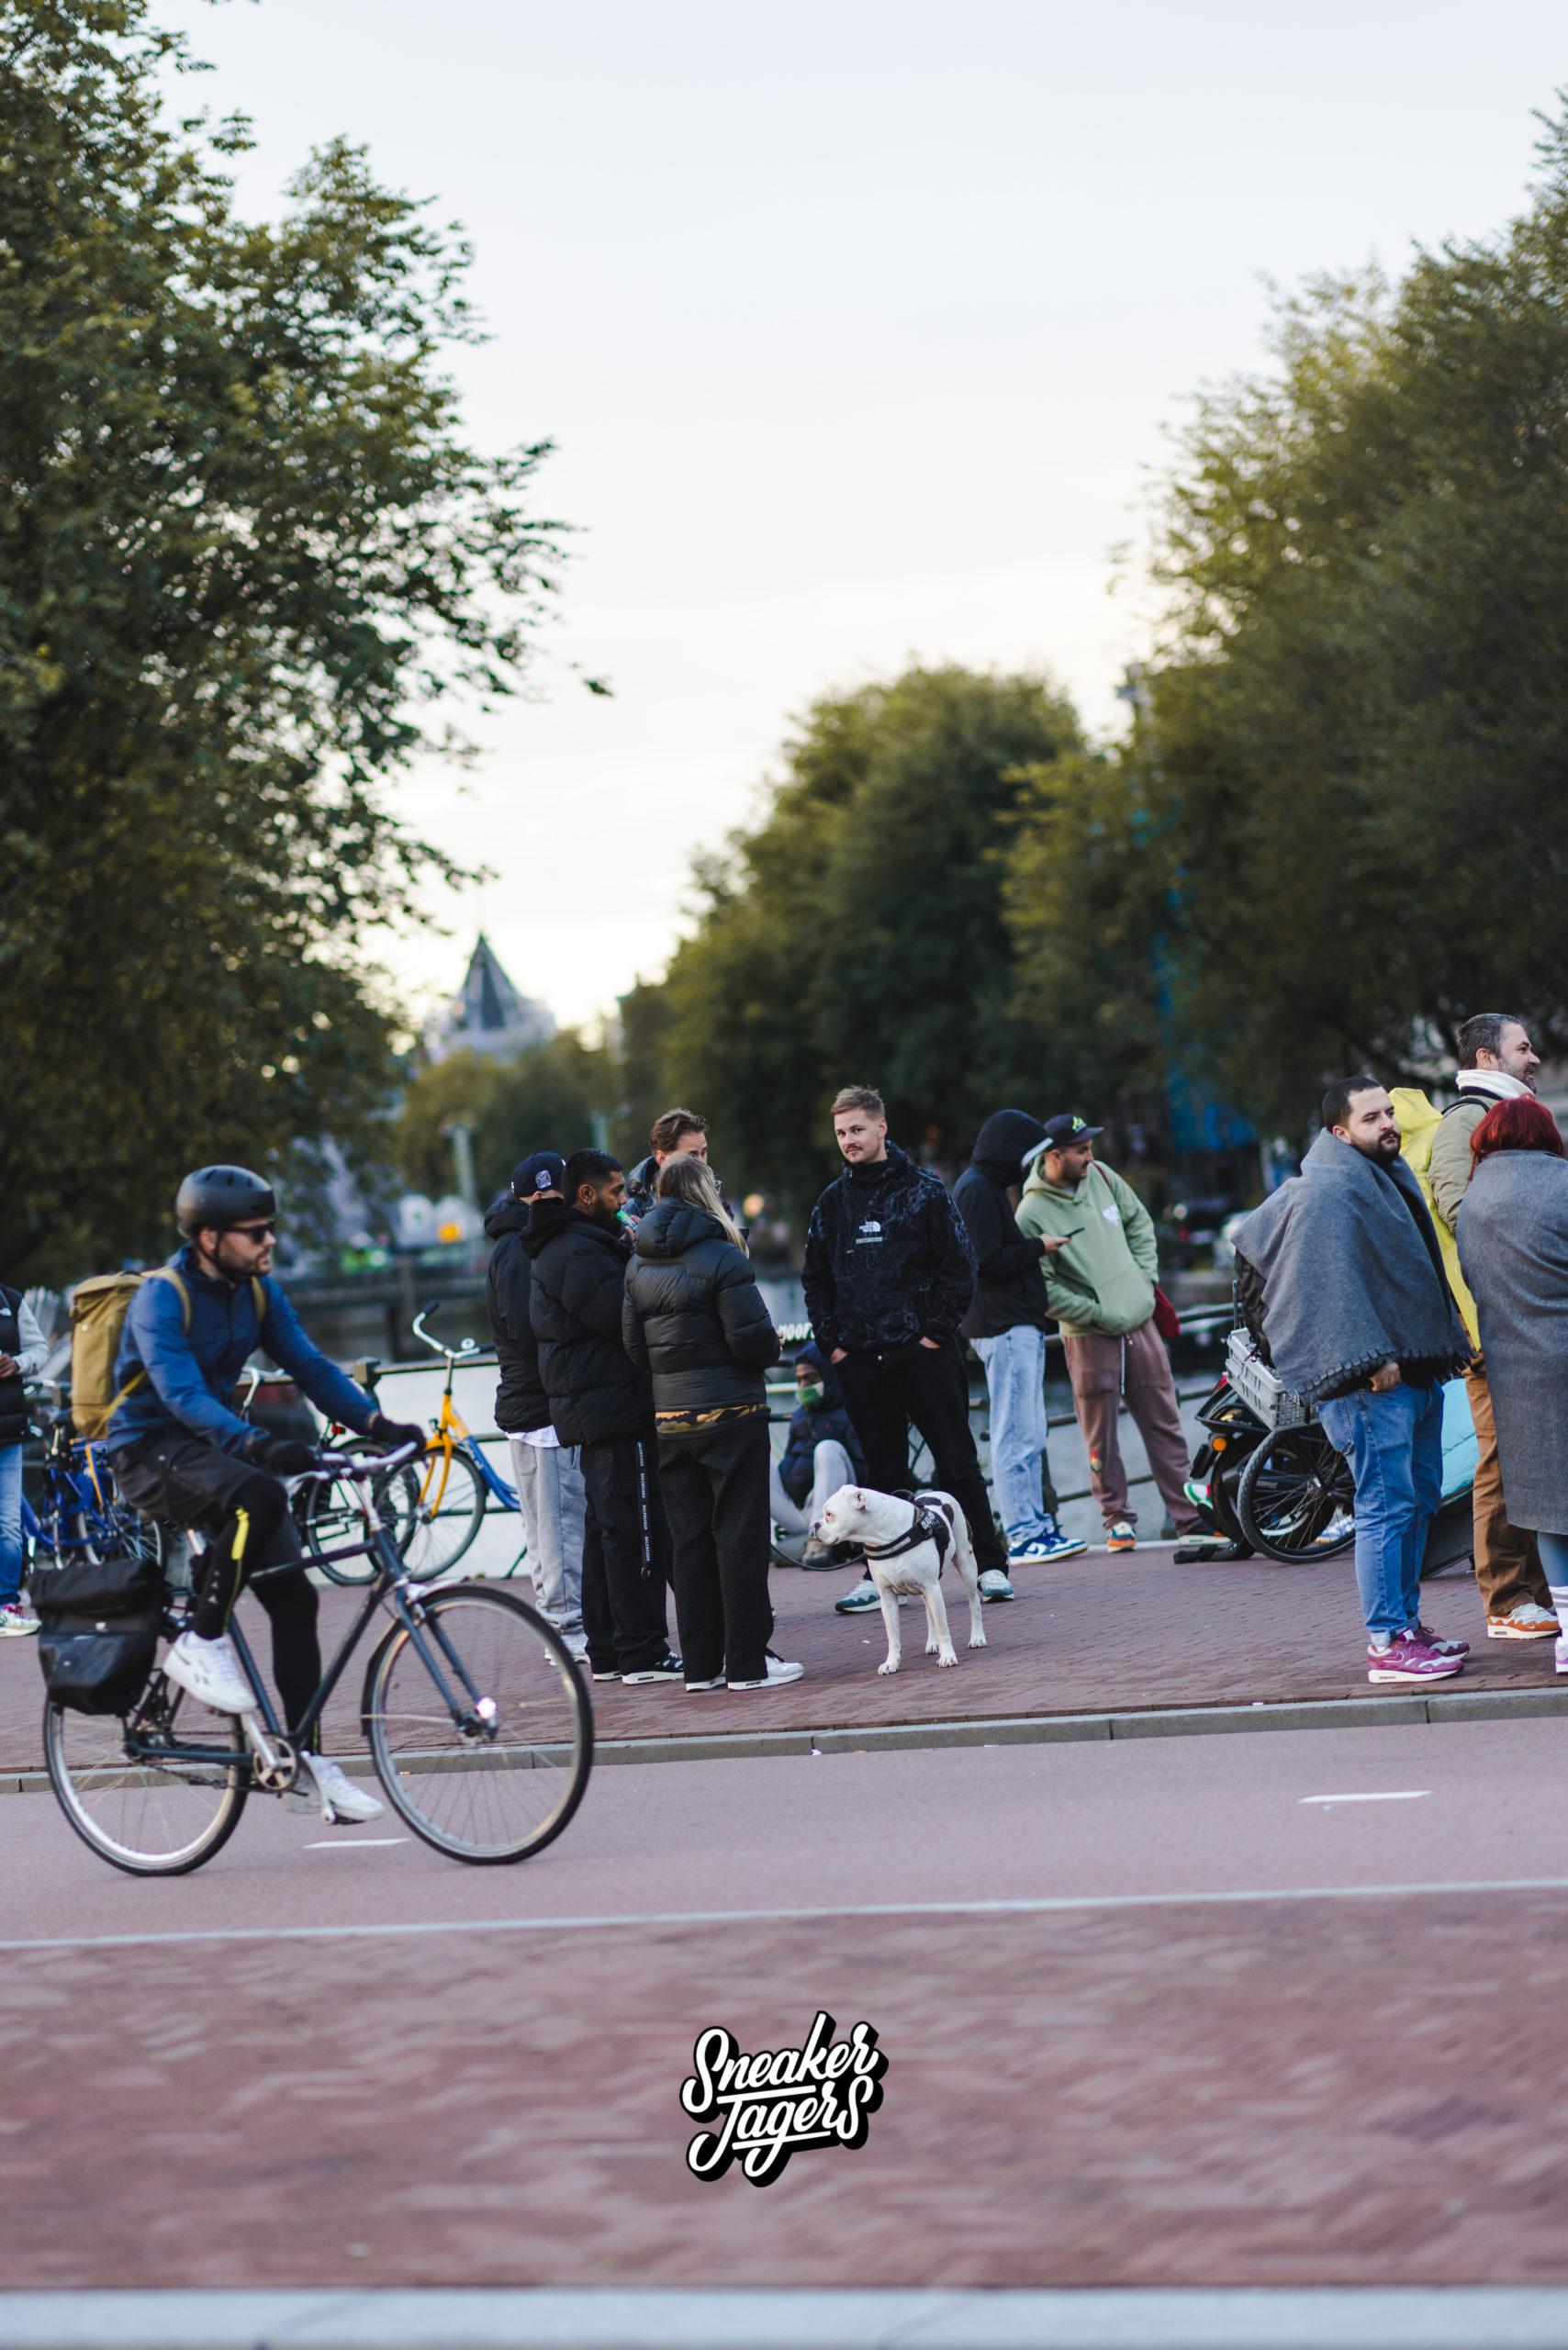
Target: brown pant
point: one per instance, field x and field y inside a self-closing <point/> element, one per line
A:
<point x="1099" y="1374"/>
<point x="1508" y="1565"/>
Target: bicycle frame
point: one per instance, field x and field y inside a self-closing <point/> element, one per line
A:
<point x="453" y="1434"/>
<point x="390" y="1589"/>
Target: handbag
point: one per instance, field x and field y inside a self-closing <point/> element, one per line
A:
<point x="98" y="1630"/>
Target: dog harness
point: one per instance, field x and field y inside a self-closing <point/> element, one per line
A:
<point x="928" y="1525"/>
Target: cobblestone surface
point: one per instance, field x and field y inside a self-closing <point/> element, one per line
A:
<point x="1247" y="2096"/>
<point x="1097" y="1634"/>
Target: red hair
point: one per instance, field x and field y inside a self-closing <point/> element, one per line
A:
<point x="1522" y="1124"/>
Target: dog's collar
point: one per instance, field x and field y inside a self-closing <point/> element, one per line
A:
<point x="927" y="1526"/>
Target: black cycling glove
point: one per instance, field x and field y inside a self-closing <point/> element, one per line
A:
<point x="395" y="1434"/>
<point x="285" y="1456"/>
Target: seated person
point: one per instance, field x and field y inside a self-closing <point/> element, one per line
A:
<point x="822" y="1453"/>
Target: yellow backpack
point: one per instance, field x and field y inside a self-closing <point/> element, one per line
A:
<point x="98" y="1308"/>
<point x="1418" y="1121"/>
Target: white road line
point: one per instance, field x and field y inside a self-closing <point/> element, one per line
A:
<point x="353" y="1844"/>
<point x="1383" y="1794"/>
<point x="1053" y="1905"/>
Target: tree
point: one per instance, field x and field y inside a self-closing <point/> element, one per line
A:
<point x="1352" y="774"/>
<point x="542" y="1099"/>
<point x="247" y="560"/>
<point x="854" y="934"/>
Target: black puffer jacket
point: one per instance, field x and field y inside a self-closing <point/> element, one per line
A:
<point x="579" y="1273"/>
<point x="522" y="1404"/>
<point x="887" y="1260"/>
<point x="694" y="1316"/>
<point x="1011" y="1288"/>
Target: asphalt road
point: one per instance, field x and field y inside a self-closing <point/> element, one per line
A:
<point x="1155" y="2013"/>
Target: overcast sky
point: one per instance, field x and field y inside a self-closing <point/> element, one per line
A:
<point x="856" y="327"/>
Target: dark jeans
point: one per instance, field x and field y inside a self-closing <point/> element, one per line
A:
<point x="245" y="1512"/>
<point x="625" y="1555"/>
<point x="883" y="1392"/>
<point x="715" y="1487"/>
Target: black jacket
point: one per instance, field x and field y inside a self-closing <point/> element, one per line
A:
<point x="694" y="1316"/>
<point x="1011" y="1288"/>
<point x="887" y="1260"/>
<point x="578" y="1279"/>
<point x="522" y="1404"/>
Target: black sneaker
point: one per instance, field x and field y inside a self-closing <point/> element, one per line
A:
<point x="668" y="1668"/>
<point x="606" y="1672"/>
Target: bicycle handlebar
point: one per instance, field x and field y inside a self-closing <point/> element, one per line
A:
<point x="451" y="1354"/>
<point x="359" y="1465"/>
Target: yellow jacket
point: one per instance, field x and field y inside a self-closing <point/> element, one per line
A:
<point x="1419" y="1122"/>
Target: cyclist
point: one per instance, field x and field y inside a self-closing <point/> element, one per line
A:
<point x="179" y="1452"/>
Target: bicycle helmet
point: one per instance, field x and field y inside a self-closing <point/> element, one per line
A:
<point x="212" y="1198"/>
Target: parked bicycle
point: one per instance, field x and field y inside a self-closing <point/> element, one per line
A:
<point x="435" y="1508"/>
<point x="80" y="1514"/>
<point x="479" y="1726"/>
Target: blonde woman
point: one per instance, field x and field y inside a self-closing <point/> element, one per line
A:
<point x="694" y="1319"/>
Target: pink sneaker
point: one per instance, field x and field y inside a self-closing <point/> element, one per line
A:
<point x="1408" y="1659"/>
<point x="1428" y="1639"/>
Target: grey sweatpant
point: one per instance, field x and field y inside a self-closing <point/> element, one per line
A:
<point x="549" y="1481"/>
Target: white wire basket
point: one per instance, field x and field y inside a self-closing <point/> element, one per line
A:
<point x="1276" y="1405"/>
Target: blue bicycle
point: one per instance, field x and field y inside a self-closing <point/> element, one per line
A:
<point x="80" y="1514"/>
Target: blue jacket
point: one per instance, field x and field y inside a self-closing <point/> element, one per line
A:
<point x="191" y="1376"/>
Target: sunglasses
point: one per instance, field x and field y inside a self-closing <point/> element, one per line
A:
<point x="254" y="1231"/>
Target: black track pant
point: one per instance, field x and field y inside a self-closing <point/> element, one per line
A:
<point x="714" y="1483"/>
<point x="625" y="1555"/>
<point x="883" y="1392"/>
<point x="245" y="1513"/>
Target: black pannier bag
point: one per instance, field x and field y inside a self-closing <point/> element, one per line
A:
<point x="100" y="1620"/>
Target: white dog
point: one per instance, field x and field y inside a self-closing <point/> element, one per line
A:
<point x="906" y="1545"/>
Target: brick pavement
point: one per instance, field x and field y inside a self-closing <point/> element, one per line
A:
<point x="1254" y="2096"/>
<point x="1097" y="1634"/>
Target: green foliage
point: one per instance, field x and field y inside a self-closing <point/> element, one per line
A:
<point x="544" y="1100"/>
<point x="1353" y="771"/>
<point x="855" y="934"/>
<point x="246" y="559"/>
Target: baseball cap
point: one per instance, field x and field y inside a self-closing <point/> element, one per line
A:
<point x="542" y="1170"/>
<point x="1066" y="1127"/>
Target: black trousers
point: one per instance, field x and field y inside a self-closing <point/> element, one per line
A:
<point x="715" y="1487"/>
<point x="883" y="1392"/>
<point x="626" y="1555"/>
<point x="245" y="1512"/>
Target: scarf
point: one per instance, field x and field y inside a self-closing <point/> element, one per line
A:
<point x="1496" y="1083"/>
<point x="1351" y="1275"/>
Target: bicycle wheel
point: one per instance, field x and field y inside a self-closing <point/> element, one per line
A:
<point x="448" y="1506"/>
<point x="503" y="1780"/>
<point x="1297" y="1501"/>
<point x="329" y="1519"/>
<point x="146" y="1817"/>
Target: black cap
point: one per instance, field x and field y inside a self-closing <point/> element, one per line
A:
<point x="542" y="1170"/>
<point x="1066" y="1128"/>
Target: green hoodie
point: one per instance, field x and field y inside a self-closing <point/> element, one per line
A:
<point x="1103" y="1282"/>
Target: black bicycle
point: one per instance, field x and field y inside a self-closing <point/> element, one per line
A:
<point x="479" y="1725"/>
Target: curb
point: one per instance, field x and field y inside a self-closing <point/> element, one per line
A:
<point x="1031" y="1730"/>
<point x="1454" y="2317"/>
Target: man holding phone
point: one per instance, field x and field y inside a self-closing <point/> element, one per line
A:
<point x="1100" y="1287"/>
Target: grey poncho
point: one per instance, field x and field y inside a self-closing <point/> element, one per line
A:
<point x="1351" y="1274"/>
<point x="1512" y="1251"/>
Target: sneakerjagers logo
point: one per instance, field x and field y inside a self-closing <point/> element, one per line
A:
<point x="774" y="2104"/>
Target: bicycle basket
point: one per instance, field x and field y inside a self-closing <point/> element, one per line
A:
<point x="98" y="1636"/>
<point x="1274" y="1404"/>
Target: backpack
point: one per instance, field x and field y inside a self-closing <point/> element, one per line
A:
<point x="98" y="1308"/>
<point x="1418" y="1121"/>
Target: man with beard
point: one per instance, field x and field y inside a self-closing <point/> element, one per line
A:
<point x="889" y="1277"/>
<point x="1342" y="1284"/>
<point x="600" y="1402"/>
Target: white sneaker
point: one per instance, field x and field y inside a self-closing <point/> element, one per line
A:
<point x="1526" y="1622"/>
<point x="340" y="1798"/>
<point x="210" y="1671"/>
<point x="774" y="1677"/>
<point x="17" y="1619"/>
<point x="576" y="1644"/>
<point x="1560" y="1656"/>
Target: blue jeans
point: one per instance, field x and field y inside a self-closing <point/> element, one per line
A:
<point x="1395" y="1446"/>
<point x="1015" y="1384"/>
<point x="10" y="1521"/>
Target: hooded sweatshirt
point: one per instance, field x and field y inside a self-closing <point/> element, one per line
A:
<point x="1102" y="1283"/>
<point x="1010" y="1290"/>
